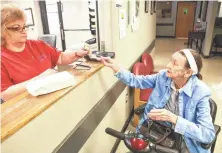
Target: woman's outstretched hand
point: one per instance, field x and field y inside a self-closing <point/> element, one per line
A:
<point x="81" y="53"/>
<point x="107" y="61"/>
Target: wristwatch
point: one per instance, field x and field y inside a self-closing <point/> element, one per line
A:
<point x="2" y="101"/>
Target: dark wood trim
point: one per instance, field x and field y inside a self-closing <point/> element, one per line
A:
<point x="165" y="36"/>
<point x="164" y="24"/>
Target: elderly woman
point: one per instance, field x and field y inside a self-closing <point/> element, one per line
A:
<point x="179" y="97"/>
<point x="22" y="59"/>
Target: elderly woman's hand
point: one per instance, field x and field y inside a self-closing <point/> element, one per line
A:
<point x="162" y="115"/>
<point x="107" y="61"/>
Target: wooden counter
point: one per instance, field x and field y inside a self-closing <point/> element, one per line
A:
<point x="20" y="110"/>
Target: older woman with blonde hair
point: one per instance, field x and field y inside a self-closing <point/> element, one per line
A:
<point x="22" y="59"/>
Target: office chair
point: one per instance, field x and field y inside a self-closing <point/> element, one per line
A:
<point x="196" y="36"/>
<point x="217" y="43"/>
<point x="50" y="39"/>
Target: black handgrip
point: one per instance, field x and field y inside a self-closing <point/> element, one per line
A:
<point x="165" y="149"/>
<point x="115" y="133"/>
<point x="140" y="110"/>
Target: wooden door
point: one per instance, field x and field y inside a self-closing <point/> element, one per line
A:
<point x="185" y="18"/>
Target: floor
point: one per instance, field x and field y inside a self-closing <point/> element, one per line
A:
<point x="211" y="72"/>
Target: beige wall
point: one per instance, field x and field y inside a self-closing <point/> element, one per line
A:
<point x="210" y="19"/>
<point x="47" y="131"/>
<point x="220" y="11"/>
<point x="129" y="48"/>
<point x="99" y="141"/>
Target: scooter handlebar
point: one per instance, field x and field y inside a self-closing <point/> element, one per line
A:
<point x="115" y="133"/>
<point x="165" y="149"/>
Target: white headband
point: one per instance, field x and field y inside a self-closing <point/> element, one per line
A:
<point x="191" y="61"/>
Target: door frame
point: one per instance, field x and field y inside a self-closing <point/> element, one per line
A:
<point x="44" y="17"/>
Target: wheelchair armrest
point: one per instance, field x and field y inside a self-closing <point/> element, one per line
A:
<point x="140" y="110"/>
<point x="217" y="130"/>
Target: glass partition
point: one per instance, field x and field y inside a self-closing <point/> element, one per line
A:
<point x="73" y="22"/>
<point x="164" y="9"/>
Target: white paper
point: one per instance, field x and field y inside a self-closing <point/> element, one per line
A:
<point x="135" y="19"/>
<point x="135" y="23"/>
<point x="50" y="83"/>
<point x="122" y="23"/>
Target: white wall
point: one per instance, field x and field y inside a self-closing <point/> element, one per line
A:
<point x="38" y="20"/>
<point x="130" y="47"/>
<point x="220" y="13"/>
<point x="35" y="30"/>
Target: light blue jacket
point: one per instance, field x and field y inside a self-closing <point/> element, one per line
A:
<point x="194" y="121"/>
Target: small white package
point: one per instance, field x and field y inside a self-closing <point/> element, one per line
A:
<point x="50" y="83"/>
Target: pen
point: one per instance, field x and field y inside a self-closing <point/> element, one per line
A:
<point x="83" y="65"/>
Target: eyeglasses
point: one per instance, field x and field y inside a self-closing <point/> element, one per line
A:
<point x="18" y="28"/>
